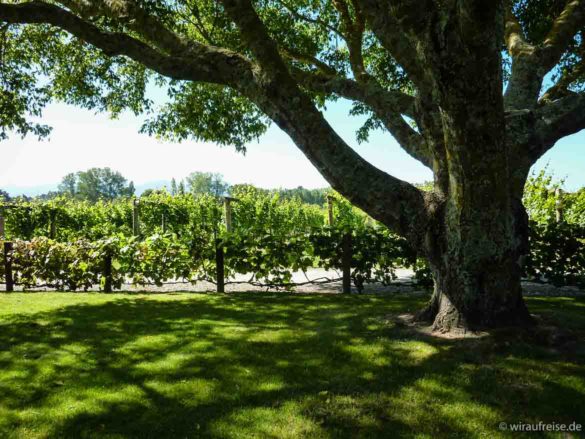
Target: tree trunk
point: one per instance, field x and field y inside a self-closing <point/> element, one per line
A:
<point x="469" y="300"/>
<point x="477" y="270"/>
<point x="478" y="231"/>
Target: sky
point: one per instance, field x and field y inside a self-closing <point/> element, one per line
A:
<point x="81" y="140"/>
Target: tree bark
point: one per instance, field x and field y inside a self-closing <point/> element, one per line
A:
<point x="477" y="285"/>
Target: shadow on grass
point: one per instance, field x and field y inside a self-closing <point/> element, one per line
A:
<point x="271" y="365"/>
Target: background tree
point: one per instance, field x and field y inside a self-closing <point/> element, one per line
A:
<point x="181" y="188"/>
<point x="4" y="196"/>
<point x="310" y="196"/>
<point x="95" y="184"/>
<point x="68" y="185"/>
<point x="200" y="183"/>
<point x="230" y="66"/>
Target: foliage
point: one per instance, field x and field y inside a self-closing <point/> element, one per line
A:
<point x="557" y="249"/>
<point x="541" y="196"/>
<point x="557" y="253"/>
<point x="270" y="238"/>
<point x="96" y="184"/>
<point x="209" y="113"/>
<point x="200" y="183"/>
<point x="309" y="196"/>
<point x="42" y="64"/>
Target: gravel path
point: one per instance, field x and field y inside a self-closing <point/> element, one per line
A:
<point x="403" y="285"/>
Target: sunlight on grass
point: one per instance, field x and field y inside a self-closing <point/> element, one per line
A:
<point x="268" y="365"/>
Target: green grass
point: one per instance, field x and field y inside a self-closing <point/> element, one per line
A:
<point x="270" y="366"/>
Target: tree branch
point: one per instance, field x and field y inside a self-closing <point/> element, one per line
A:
<point x="137" y="19"/>
<point x="388" y="106"/>
<point x="550" y="123"/>
<point x="315" y="21"/>
<point x="531" y="64"/>
<point x="353" y="34"/>
<point x="372" y="94"/>
<point x="514" y="36"/>
<point x="561" y="88"/>
<point x="564" y="28"/>
<point x="392" y="35"/>
<point x="525" y="82"/>
<point x="294" y="112"/>
<point x="308" y="59"/>
<point x="204" y="63"/>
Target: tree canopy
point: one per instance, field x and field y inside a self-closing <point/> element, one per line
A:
<point x="230" y="66"/>
<point x="200" y="183"/>
<point x="476" y="91"/>
<point x="95" y="184"/>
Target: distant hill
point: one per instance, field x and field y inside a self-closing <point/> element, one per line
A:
<point x="30" y="191"/>
<point x="33" y="191"/>
<point x="313" y="196"/>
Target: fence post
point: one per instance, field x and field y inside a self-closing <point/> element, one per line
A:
<point x="52" y="224"/>
<point x="227" y="205"/>
<point x="330" y="209"/>
<point x="346" y="257"/>
<point x="108" y="273"/>
<point x="8" y="267"/>
<point x="164" y="224"/>
<point x="559" y="205"/>
<point x="219" y="266"/>
<point x="136" y="218"/>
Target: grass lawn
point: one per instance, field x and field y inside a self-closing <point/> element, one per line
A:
<point x="78" y="365"/>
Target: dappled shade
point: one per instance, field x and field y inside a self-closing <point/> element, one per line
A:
<point x="269" y="365"/>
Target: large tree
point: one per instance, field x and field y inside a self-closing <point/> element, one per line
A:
<point x="96" y="184"/>
<point x="431" y="72"/>
<point x="207" y="183"/>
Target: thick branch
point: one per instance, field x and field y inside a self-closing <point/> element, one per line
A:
<point x="204" y="63"/>
<point x="556" y="120"/>
<point x="514" y="36"/>
<point x="524" y="85"/>
<point x="564" y="29"/>
<point x="355" y="91"/>
<point x="309" y="60"/>
<point x="388" y="106"/>
<point x="532" y="133"/>
<point x="531" y="64"/>
<point x="389" y="31"/>
<point x="130" y="13"/>
<point x="294" y="112"/>
<point x="561" y="88"/>
<point x="353" y="33"/>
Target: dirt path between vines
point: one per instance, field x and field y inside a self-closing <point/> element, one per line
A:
<point x="403" y="285"/>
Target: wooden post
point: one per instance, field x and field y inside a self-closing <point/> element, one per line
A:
<point x="2" y="227"/>
<point x="164" y="224"/>
<point x="227" y="206"/>
<point x="52" y="224"/>
<point x="219" y="266"/>
<point x="136" y="218"/>
<point x="8" y="267"/>
<point x="346" y="257"/>
<point x="108" y="273"/>
<point x="559" y="205"/>
<point x="330" y="209"/>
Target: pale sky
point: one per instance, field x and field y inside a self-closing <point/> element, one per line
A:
<point x="81" y="140"/>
